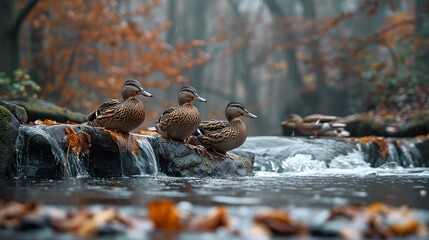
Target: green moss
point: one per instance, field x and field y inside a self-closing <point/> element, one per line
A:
<point x="46" y="111"/>
<point x="243" y="160"/>
<point x="5" y="117"/>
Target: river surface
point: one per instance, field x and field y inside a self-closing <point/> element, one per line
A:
<point x="410" y="187"/>
<point x="299" y="183"/>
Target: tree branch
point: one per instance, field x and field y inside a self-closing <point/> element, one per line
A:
<point x="21" y="16"/>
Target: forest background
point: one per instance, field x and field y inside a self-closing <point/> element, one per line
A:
<point x="276" y="56"/>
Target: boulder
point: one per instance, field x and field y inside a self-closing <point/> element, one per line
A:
<point x="45" y="110"/>
<point x="65" y="150"/>
<point x="178" y="160"/>
<point x="8" y="132"/>
<point x="17" y="111"/>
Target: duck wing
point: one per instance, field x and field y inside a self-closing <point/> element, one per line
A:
<point x="213" y="125"/>
<point x="319" y="118"/>
<point x="106" y="109"/>
<point x="167" y="118"/>
<point x="214" y="131"/>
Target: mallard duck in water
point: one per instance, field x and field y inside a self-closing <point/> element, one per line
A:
<point x="316" y="124"/>
<point x="178" y="123"/>
<point x="124" y="114"/>
<point x="222" y="136"/>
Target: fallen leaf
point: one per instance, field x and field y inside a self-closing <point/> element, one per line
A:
<point x="164" y="215"/>
<point x="408" y="227"/>
<point x="78" y="142"/>
<point x="280" y="223"/>
<point x="217" y="217"/>
<point x="89" y="227"/>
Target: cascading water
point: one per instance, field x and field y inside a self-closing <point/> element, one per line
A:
<point x="287" y="154"/>
<point x="147" y="150"/>
<point x="34" y="145"/>
<point x="48" y="152"/>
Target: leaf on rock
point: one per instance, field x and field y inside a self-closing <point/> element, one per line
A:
<point x="124" y="141"/>
<point x="380" y="141"/>
<point x="144" y="132"/>
<point x="165" y="215"/>
<point x="44" y="122"/>
<point x="78" y="142"/>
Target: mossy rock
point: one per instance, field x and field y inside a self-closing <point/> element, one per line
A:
<point x="45" y="152"/>
<point x="17" y="111"/>
<point x="45" y="110"/>
<point x="9" y="126"/>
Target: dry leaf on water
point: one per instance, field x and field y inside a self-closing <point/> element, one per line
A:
<point x="217" y="217"/>
<point x="280" y="223"/>
<point x="12" y="213"/>
<point x="165" y="215"/>
<point x="90" y="225"/>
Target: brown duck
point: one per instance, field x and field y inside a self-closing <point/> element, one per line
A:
<point x="178" y="123"/>
<point x="222" y="136"/>
<point x="124" y="114"/>
<point x="316" y="124"/>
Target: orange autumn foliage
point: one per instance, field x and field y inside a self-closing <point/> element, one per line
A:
<point x="44" y="122"/>
<point x="88" y="48"/>
<point x="164" y="215"/>
<point x="280" y="223"/>
<point x="78" y="142"/>
<point x="380" y="141"/>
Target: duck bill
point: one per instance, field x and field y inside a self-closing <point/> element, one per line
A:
<point x="144" y="93"/>
<point x="199" y="99"/>
<point x="249" y="114"/>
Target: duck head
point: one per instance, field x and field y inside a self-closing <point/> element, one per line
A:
<point x="133" y="88"/>
<point x="236" y="109"/>
<point x="189" y="94"/>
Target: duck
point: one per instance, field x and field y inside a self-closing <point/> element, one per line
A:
<point x="122" y="115"/>
<point x="222" y="136"/>
<point x="178" y="123"/>
<point x="317" y="124"/>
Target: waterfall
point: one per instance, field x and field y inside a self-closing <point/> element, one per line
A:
<point x="147" y="150"/>
<point x="136" y="155"/>
<point x="291" y="154"/>
<point x="37" y="153"/>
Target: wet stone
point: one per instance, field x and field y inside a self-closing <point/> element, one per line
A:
<point x="8" y="133"/>
<point x="44" y="151"/>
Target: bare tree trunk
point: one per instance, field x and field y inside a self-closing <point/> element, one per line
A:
<point x="10" y="23"/>
<point x="422" y="31"/>
<point x="294" y="75"/>
<point x="310" y="13"/>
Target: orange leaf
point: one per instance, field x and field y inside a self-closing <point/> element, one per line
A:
<point x="279" y="222"/>
<point x="411" y="226"/>
<point x="164" y="215"/>
<point x="79" y="143"/>
<point x="217" y="217"/>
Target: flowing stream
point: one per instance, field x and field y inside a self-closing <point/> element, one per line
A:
<point x="307" y="177"/>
